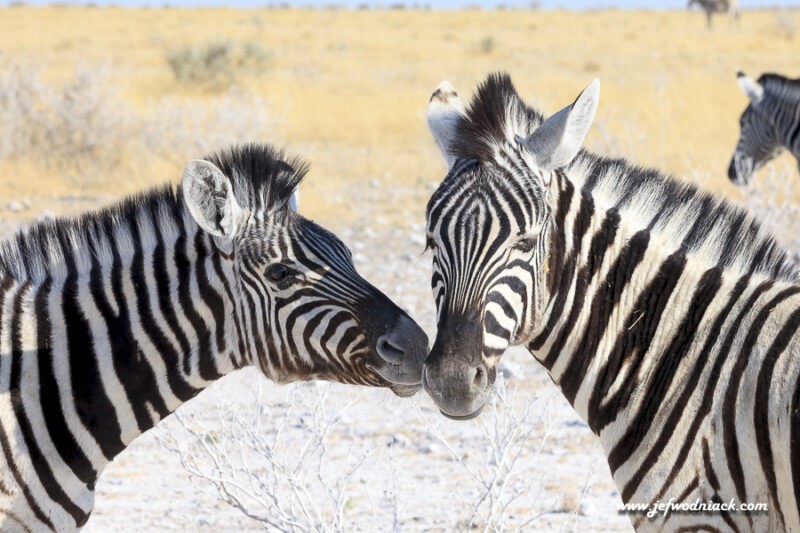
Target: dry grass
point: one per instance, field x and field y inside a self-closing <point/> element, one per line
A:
<point x="350" y="87"/>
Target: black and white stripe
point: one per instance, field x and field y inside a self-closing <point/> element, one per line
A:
<point x="111" y="321"/>
<point x="769" y="124"/>
<point x="667" y="317"/>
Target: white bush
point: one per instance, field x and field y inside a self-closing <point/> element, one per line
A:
<point x="86" y="127"/>
<point x="305" y="465"/>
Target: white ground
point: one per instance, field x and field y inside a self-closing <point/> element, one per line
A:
<point x="146" y="488"/>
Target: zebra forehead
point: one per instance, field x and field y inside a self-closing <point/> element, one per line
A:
<point x="483" y="197"/>
<point x="324" y="242"/>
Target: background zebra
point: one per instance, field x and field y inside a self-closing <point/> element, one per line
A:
<point x="710" y="7"/>
<point x="111" y="321"/>
<point x="770" y="123"/>
<point x="668" y="318"/>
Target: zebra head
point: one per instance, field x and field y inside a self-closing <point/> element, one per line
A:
<point x="303" y="310"/>
<point x="759" y="140"/>
<point x="487" y="227"/>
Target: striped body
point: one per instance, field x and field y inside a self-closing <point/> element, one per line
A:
<point x="769" y="124"/>
<point x="668" y="319"/>
<point x="687" y="372"/>
<point x="109" y="323"/>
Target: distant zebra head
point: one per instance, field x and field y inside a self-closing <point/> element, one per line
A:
<point x="304" y="311"/>
<point x="770" y="122"/>
<point x="487" y="227"/>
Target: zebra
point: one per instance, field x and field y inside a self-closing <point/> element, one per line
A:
<point x="667" y="317"/>
<point x="111" y="320"/>
<point x="710" y="7"/>
<point x="769" y="124"/>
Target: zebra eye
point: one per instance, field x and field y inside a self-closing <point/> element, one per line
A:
<point x="525" y="245"/>
<point x="430" y="243"/>
<point x="278" y="272"/>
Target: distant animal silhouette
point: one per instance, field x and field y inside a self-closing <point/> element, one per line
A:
<point x="711" y="7"/>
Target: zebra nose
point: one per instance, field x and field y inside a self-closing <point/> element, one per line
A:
<point x="391" y="348"/>
<point x="459" y="390"/>
<point x="404" y="344"/>
<point x="732" y="172"/>
<point x="480" y="379"/>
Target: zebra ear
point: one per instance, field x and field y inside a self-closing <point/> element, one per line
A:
<point x="750" y="87"/>
<point x="445" y="110"/>
<point x="209" y="197"/>
<point x="557" y="141"/>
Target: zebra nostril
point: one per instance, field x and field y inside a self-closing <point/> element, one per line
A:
<point x="480" y="380"/>
<point x="390" y="351"/>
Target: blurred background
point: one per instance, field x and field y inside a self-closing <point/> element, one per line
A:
<point x="100" y="100"/>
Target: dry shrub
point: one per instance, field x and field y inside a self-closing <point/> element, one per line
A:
<point x="298" y="465"/>
<point x="84" y="129"/>
<point x="179" y="128"/>
<point x="217" y="63"/>
<point x="772" y="197"/>
<point x="82" y="125"/>
<point x="275" y="464"/>
<point x="785" y="23"/>
<point x="487" y="45"/>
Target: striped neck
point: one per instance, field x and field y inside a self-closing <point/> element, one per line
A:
<point x="779" y="107"/>
<point x="787" y="126"/>
<point x="612" y="291"/>
<point x="107" y="341"/>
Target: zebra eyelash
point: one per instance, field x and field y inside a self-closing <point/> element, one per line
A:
<point x="430" y="244"/>
<point x="525" y="245"/>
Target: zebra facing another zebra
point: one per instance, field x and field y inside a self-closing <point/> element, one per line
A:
<point x="111" y="321"/>
<point x="769" y="124"/>
<point x="668" y="318"/>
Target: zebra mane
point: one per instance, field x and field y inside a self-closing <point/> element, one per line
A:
<point x="495" y="114"/>
<point x="702" y="224"/>
<point x="262" y="178"/>
<point x="780" y="86"/>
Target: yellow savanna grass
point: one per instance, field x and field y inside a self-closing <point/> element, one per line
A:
<point x="348" y="89"/>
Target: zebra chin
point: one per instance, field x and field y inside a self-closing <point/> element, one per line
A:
<point x="405" y="391"/>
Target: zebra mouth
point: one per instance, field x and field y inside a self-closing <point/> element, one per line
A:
<point x="402" y="382"/>
<point x="463" y="417"/>
<point x="404" y="391"/>
<point x="455" y="405"/>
